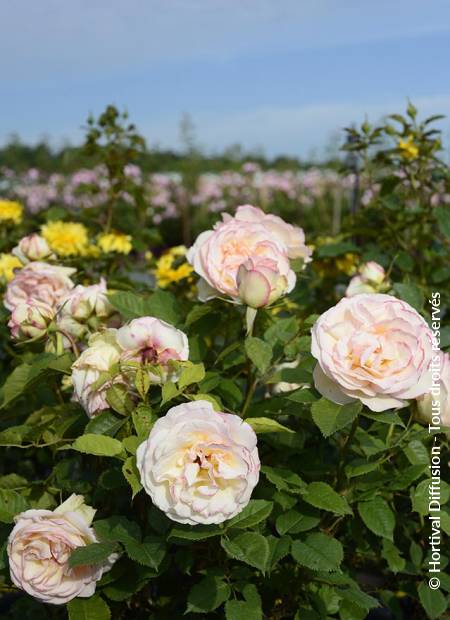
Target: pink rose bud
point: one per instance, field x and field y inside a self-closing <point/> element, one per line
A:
<point x="83" y="302"/>
<point x="357" y="286"/>
<point x="33" y="247"/>
<point x="39" y="548"/>
<point x="260" y="283"/>
<point x="30" y="320"/>
<point x="100" y="358"/>
<point x="372" y="272"/>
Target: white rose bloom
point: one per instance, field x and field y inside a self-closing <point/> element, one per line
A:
<point x="39" y="548"/>
<point x="198" y="465"/>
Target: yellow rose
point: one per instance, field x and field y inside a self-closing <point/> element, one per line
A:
<point x="115" y="242"/>
<point x="66" y="238"/>
<point x="10" y="211"/>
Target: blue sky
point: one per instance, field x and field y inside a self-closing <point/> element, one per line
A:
<point x="280" y="75"/>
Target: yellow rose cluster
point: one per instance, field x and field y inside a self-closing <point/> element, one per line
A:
<point x="172" y="267"/>
<point x="69" y="239"/>
<point x="10" y="212"/>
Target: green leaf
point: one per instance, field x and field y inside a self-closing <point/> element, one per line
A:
<point x="143" y="420"/>
<point x="304" y="395"/>
<point x="105" y="423"/>
<point x="378" y="517"/>
<point x="95" y="553"/>
<point x="132" y="475"/>
<point x="191" y="373"/>
<point x="131" y="443"/>
<point x="151" y="552"/>
<point x="322" y="495"/>
<point x="25" y="376"/>
<point x="119" y="399"/>
<point x="267" y="425"/>
<point x="433" y="601"/>
<point x="318" y="552"/>
<point x="284" y="479"/>
<point x="278" y="549"/>
<point x="250" y="609"/>
<point x="442" y="214"/>
<point x="198" y="532"/>
<point x="12" y="481"/>
<point x="359" y="598"/>
<point x="360" y="467"/>
<point x="293" y="522"/>
<point x="100" y="445"/>
<point x="197" y="313"/>
<point x="331" y="250"/>
<point x="168" y="391"/>
<point x="207" y="595"/>
<point x="410" y="293"/>
<point x="330" y="417"/>
<point x="392" y="556"/>
<point x="259" y="352"/>
<point x="162" y="305"/>
<point x="416" y="453"/>
<point x="11" y="504"/>
<point x="142" y="382"/>
<point x="256" y="511"/>
<point x="93" y="608"/>
<point x="117" y="529"/>
<point x="249" y="547"/>
<point x="385" y="417"/>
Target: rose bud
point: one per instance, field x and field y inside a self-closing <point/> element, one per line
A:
<point x="83" y="302"/>
<point x="372" y="272"/>
<point x="32" y="248"/>
<point x="30" y="320"/>
<point x="101" y="356"/>
<point x="260" y="283"/>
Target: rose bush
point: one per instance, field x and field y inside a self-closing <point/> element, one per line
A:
<point x="256" y="431"/>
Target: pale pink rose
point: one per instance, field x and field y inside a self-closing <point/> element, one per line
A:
<point x="371" y="279"/>
<point x="84" y="302"/>
<point x="100" y="358"/>
<point x="148" y="340"/>
<point x="291" y="236"/>
<point x="357" y="286"/>
<point x="260" y="283"/>
<point x="372" y="272"/>
<point x="39" y="282"/>
<point x="436" y="400"/>
<point x="39" y="548"/>
<point x="199" y="466"/>
<point x="30" y="320"/>
<point x="375" y="348"/>
<point x="217" y="255"/>
<point x="33" y="248"/>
